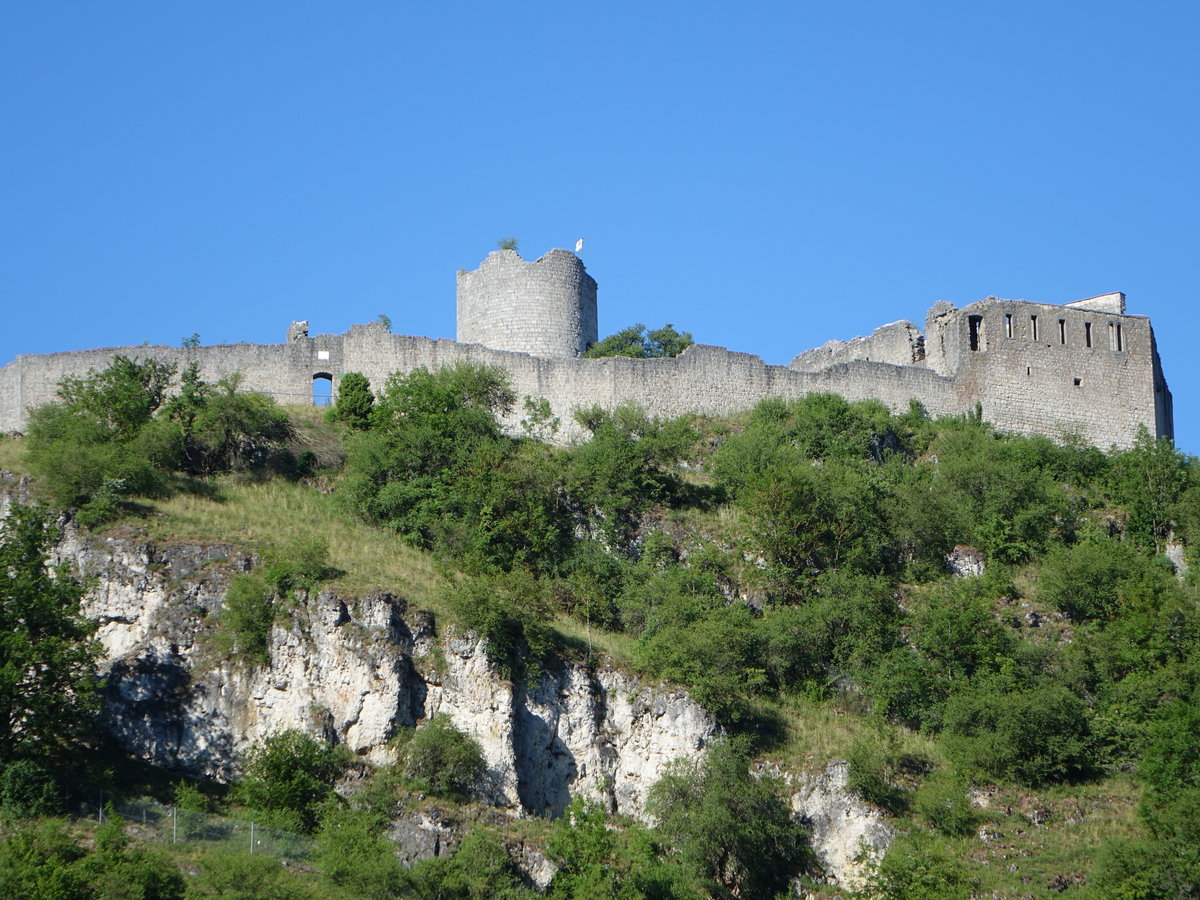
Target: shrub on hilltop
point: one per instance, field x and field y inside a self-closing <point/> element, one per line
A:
<point x="636" y="342"/>
<point x="116" y="434"/>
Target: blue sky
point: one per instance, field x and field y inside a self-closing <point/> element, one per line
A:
<point x="765" y="175"/>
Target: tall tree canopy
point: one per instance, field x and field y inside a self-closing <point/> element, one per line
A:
<point x="48" y="683"/>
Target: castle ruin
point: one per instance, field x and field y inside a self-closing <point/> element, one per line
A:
<point x="1085" y="368"/>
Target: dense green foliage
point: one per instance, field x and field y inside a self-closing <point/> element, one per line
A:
<point x="114" y="434"/>
<point x="288" y="777"/>
<point x="729" y="827"/>
<point x="253" y="601"/>
<point x="635" y="341"/>
<point x="48" y="683"/>
<point x="596" y="860"/>
<point x="43" y="863"/>
<point x="440" y="759"/>
<point x="354" y="403"/>
<point x="795" y="556"/>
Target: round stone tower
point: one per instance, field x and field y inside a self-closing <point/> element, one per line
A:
<point x="545" y="308"/>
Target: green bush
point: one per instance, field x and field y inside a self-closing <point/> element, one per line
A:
<point x="188" y="796"/>
<point x="636" y="342"/>
<point x="915" y="868"/>
<point x="873" y="765"/>
<point x="354" y="403"/>
<point x="353" y="853"/>
<point x="299" y="565"/>
<point x="841" y="629"/>
<point x="287" y="777"/>
<point x="942" y="802"/>
<point x="716" y="655"/>
<point x="1149" y="480"/>
<point x="728" y="828"/>
<point x="1171" y="804"/>
<point x="442" y="760"/>
<point x="1139" y="870"/>
<point x="236" y="431"/>
<point x="49" y="689"/>
<point x="113" y="434"/>
<point x="1036" y="733"/>
<point x="435" y="468"/>
<point x="37" y="861"/>
<point x="511" y="613"/>
<point x="28" y="789"/>
<point x="243" y="876"/>
<point x="480" y="869"/>
<point x="41" y="861"/>
<point x="954" y="628"/>
<point x="908" y="688"/>
<point x="1096" y="579"/>
<point x="119" y="868"/>
<point x="1006" y="500"/>
<point x="244" y="630"/>
<point x="625" y="466"/>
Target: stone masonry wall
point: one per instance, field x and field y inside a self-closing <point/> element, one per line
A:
<point x="1058" y="370"/>
<point x="899" y="343"/>
<point x="1049" y="385"/>
<point x="546" y="307"/>
<point x="706" y="380"/>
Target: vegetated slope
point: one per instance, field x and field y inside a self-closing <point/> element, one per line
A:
<point x="790" y="570"/>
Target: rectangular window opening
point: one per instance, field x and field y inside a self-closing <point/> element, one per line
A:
<point x="975" y="326"/>
<point x="1062" y="331"/>
<point x="1112" y="336"/>
<point x="1028" y="370"/>
<point x="1120" y="343"/>
<point x="1033" y="327"/>
<point x="1008" y="324"/>
<point x="1078" y="381"/>
<point x="1087" y="334"/>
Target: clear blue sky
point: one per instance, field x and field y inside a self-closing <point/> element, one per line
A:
<point x="765" y="175"/>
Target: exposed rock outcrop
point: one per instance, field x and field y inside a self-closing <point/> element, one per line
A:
<point x="965" y="562"/>
<point x="848" y="835"/>
<point x="355" y="670"/>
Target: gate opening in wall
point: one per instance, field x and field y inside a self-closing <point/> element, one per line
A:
<point x="322" y="389"/>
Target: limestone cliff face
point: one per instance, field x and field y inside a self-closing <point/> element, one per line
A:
<point x="356" y="670"/>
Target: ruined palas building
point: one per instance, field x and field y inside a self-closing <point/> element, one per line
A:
<point x="1084" y="368"/>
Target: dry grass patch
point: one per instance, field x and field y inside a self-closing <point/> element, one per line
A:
<point x="820" y="731"/>
<point x="1045" y="843"/>
<point x="618" y="648"/>
<point x="12" y="454"/>
<point x="274" y="514"/>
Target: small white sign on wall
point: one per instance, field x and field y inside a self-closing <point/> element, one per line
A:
<point x="322" y="354"/>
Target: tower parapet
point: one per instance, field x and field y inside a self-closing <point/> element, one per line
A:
<point x="545" y="308"/>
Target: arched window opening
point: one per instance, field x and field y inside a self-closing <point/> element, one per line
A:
<point x="322" y="393"/>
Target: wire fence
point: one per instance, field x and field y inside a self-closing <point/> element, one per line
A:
<point x="316" y="398"/>
<point x="151" y="821"/>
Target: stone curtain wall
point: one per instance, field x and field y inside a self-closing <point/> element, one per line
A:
<point x="283" y="371"/>
<point x="1022" y="385"/>
<point x="546" y="307"/>
<point x="707" y="380"/>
